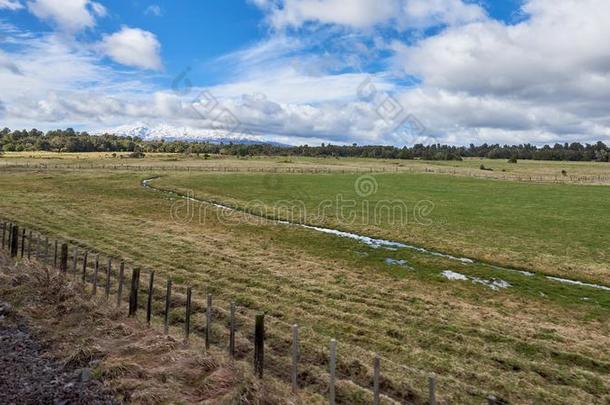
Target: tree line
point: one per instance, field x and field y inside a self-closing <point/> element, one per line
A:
<point x="69" y="140"/>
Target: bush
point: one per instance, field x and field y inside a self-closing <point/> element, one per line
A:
<point x="136" y="155"/>
<point x="513" y="159"/>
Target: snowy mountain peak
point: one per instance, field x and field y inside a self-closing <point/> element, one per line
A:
<point x="167" y="132"/>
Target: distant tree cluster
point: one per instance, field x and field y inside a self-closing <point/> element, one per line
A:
<point x="69" y="140"/>
<point x="66" y="140"/>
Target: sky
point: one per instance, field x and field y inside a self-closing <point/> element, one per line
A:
<point x="395" y="72"/>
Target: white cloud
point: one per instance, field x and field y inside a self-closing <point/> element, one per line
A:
<point x="133" y="47"/>
<point x="548" y="74"/>
<point x="98" y="9"/>
<point x="47" y="81"/>
<point x="287" y="85"/>
<point x="426" y="13"/>
<point x="7" y="63"/>
<point x="68" y="15"/>
<point x="154" y="10"/>
<point x="11" y="4"/>
<point x="361" y="14"/>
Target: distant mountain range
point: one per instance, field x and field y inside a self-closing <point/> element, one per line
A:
<point x="170" y="133"/>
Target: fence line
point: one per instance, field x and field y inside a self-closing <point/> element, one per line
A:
<point x="556" y="179"/>
<point x="293" y="353"/>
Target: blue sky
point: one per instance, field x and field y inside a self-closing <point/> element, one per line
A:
<point x="310" y="71"/>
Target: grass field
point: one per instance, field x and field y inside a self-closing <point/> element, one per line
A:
<point x="556" y="229"/>
<point x="536" y="341"/>
<point x="525" y="170"/>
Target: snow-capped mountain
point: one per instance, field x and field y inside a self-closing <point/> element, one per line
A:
<point x="168" y="132"/>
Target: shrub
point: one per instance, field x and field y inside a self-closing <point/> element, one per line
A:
<point x="513" y="159"/>
<point x="136" y="155"/>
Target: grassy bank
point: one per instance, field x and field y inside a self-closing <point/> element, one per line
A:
<point x="134" y="363"/>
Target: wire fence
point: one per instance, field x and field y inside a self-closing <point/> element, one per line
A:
<point x="481" y="174"/>
<point x="295" y="354"/>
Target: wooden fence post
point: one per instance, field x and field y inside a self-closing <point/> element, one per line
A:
<point x="4" y="225"/>
<point x="63" y="262"/>
<point x="232" y="331"/>
<point x="37" y="246"/>
<point x="30" y="244"/>
<point x="14" y="240"/>
<point x="133" y="293"/>
<point x="95" y="272"/>
<point x="295" y="357"/>
<point x="331" y="371"/>
<point x="259" y="344"/>
<point x="85" y="257"/>
<point x="187" y="315"/>
<point x="108" y="274"/>
<point x="168" y="299"/>
<point x="74" y="260"/>
<point x="432" y="389"/>
<point x="55" y="255"/>
<point x="119" y="294"/>
<point x="8" y="236"/>
<point x="376" y="371"/>
<point x="151" y="285"/>
<point x="22" y="242"/>
<point x="208" y="321"/>
<point x="9" y="229"/>
<point x="46" y="250"/>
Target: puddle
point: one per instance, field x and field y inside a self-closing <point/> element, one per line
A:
<point x="398" y="262"/>
<point x="494" y="283"/>
<point x="522" y="272"/>
<point x="452" y="275"/>
<point x="580" y="283"/>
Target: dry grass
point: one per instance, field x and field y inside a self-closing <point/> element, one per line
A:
<point x="525" y="170"/>
<point x="139" y="364"/>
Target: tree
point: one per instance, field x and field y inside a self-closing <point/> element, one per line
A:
<point x="602" y="156"/>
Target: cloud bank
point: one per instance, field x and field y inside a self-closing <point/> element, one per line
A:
<point x="334" y="71"/>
